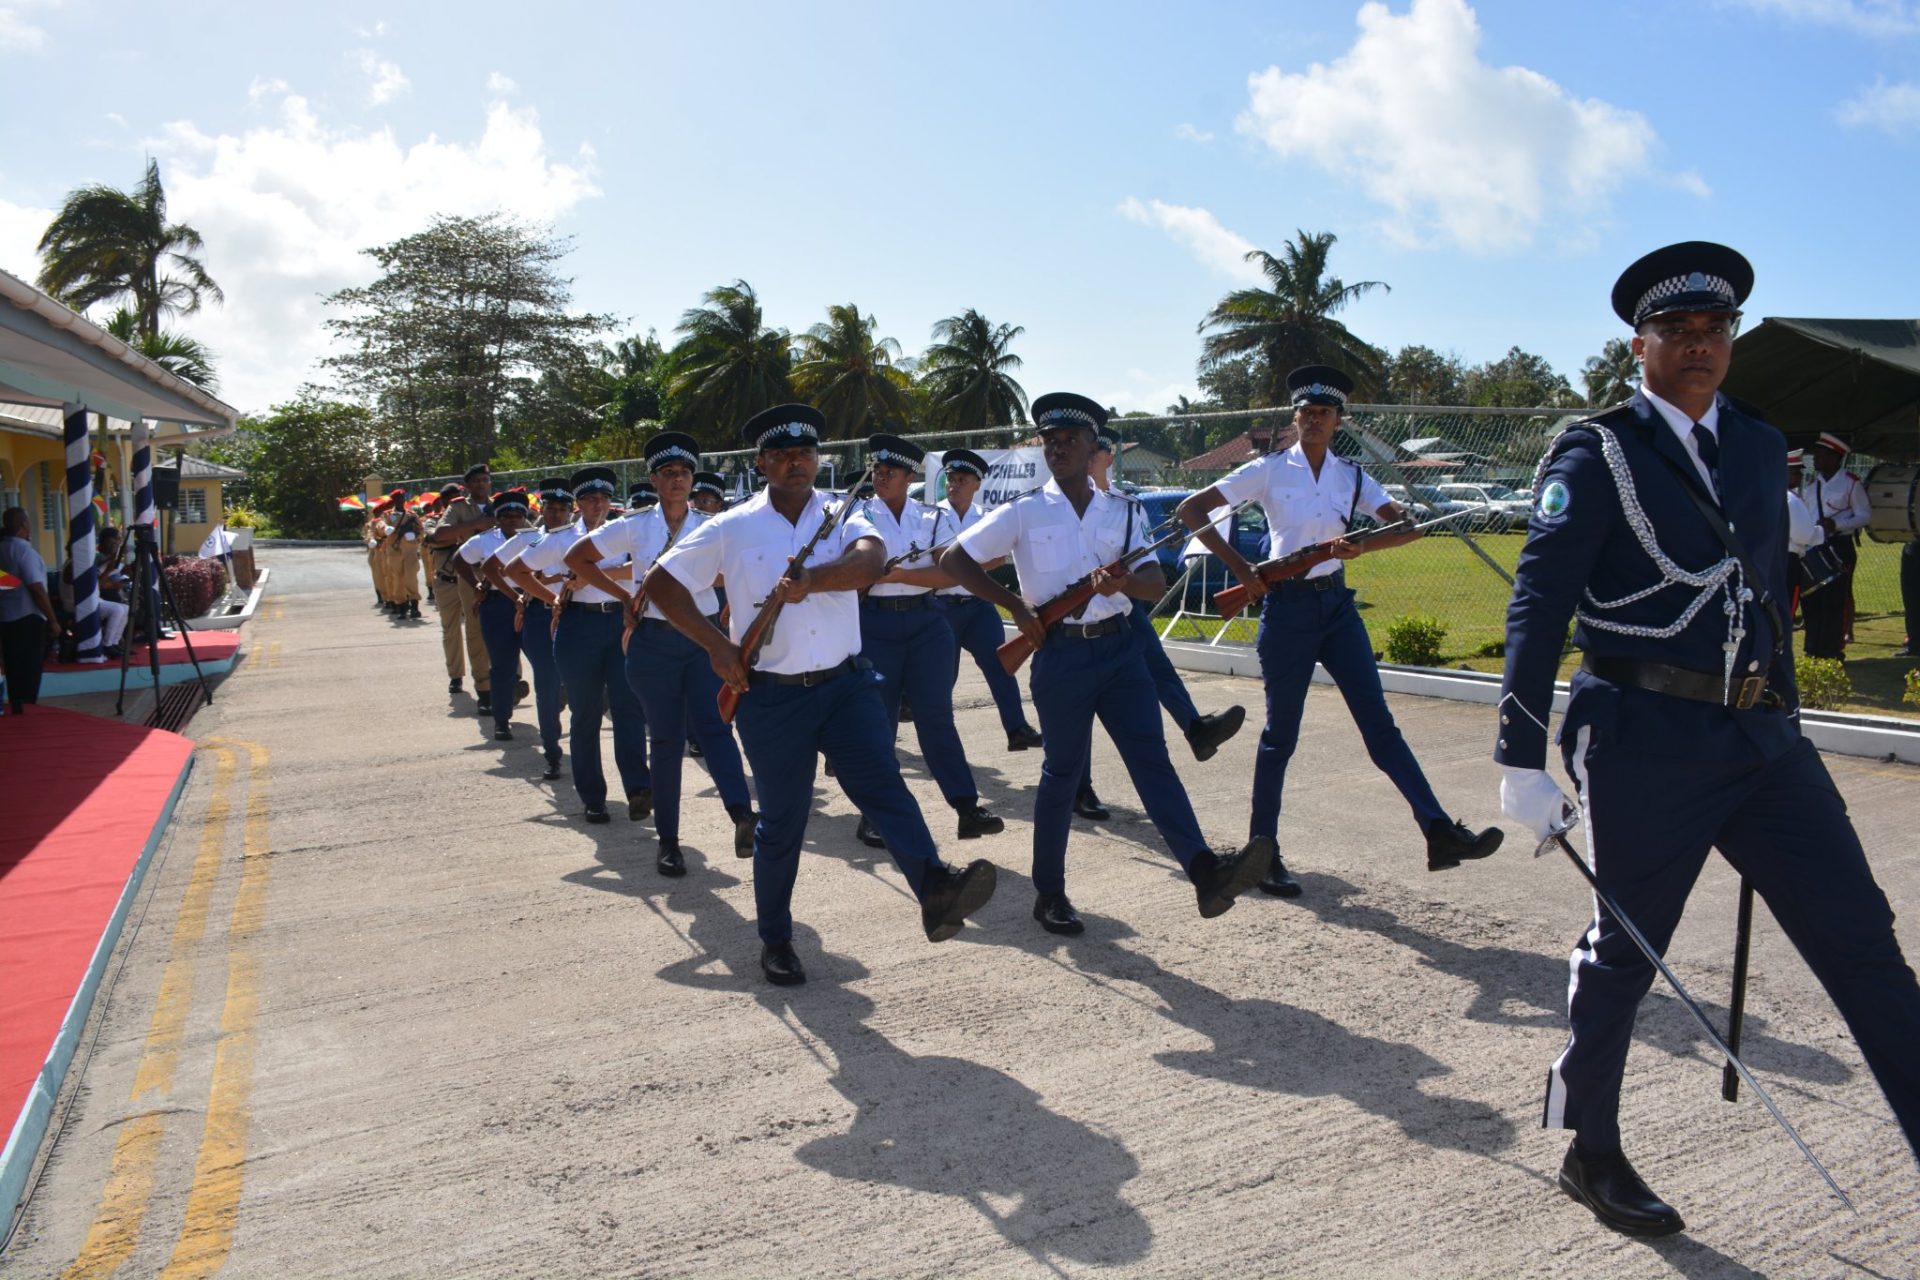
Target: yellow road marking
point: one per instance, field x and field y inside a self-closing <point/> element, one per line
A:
<point x="123" y="1202"/>
<point x="213" y="1203"/>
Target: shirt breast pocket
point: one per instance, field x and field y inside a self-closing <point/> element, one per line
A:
<point x="1051" y="550"/>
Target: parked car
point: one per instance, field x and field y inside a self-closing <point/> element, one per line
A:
<point x="1210" y="573"/>
<point x="1505" y="510"/>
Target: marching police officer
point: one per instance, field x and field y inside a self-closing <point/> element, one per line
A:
<point x="904" y="635"/>
<point x="1310" y="495"/>
<point x="533" y="618"/>
<point x="1092" y="665"/>
<point x="809" y="691"/>
<point x="586" y="649"/>
<point x="495" y="611"/>
<point x="460" y="520"/>
<point x="709" y="492"/>
<point x="668" y="672"/>
<point x="976" y="624"/>
<point x="1659" y="529"/>
<point x="642" y="497"/>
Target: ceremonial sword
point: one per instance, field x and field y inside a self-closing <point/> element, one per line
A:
<point x="1558" y="836"/>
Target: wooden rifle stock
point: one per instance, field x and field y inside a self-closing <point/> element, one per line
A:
<point x="762" y="625"/>
<point x="1231" y="600"/>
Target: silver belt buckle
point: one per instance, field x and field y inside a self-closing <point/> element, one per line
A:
<point x="1747" y="692"/>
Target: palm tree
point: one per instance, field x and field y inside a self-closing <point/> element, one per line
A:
<point x="106" y="245"/>
<point x="849" y="375"/>
<point x="178" y="354"/>
<point x="1291" y="323"/>
<point x="1611" y="376"/>
<point x="968" y="373"/>
<point x="729" y="366"/>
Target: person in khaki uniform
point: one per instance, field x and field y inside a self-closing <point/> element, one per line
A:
<point x="371" y="533"/>
<point x="463" y="518"/>
<point x="403" y="553"/>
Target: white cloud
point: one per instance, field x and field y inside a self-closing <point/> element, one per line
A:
<point x="114" y="117"/>
<point x="1190" y="133"/>
<point x="20" y="229"/>
<point x="1456" y="150"/>
<point x="1890" y="108"/>
<point x="373" y="32"/>
<point x="385" y="80"/>
<point x="263" y="89"/>
<point x="287" y="206"/>
<point x="18" y="33"/>
<point x="1221" y="251"/>
<point x="1867" y="17"/>
<point x="500" y="84"/>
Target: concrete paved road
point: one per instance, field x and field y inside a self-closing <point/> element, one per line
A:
<point x="390" y="1009"/>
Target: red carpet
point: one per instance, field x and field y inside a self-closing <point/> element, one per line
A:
<point x="208" y="646"/>
<point x="84" y="797"/>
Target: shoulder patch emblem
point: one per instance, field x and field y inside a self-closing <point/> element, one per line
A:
<point x="1553" y="501"/>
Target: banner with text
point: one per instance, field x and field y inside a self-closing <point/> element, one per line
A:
<point x="1010" y="473"/>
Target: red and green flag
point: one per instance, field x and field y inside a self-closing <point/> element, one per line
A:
<point x="7" y="581"/>
<point x="353" y="502"/>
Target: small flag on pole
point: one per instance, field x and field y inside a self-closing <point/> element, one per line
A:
<point x="100" y="504"/>
<point x="353" y="502"/>
<point x="99" y="459"/>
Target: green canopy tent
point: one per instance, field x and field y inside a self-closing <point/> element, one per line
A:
<point x="1859" y="379"/>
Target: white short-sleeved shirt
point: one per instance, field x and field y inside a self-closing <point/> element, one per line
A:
<point x="644" y="536"/>
<point x="1842" y="500"/>
<point x="957" y="524"/>
<point x="750" y="545"/>
<point x="1803" y="530"/>
<point x="549" y="555"/>
<point x="919" y="528"/>
<point x="481" y="545"/>
<point x="519" y="542"/>
<point x="1302" y="508"/>
<point x="1053" y="547"/>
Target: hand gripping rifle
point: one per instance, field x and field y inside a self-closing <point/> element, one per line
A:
<point x="1069" y="602"/>
<point x="1231" y="600"/>
<point x="760" y="630"/>
<point x="637" y="602"/>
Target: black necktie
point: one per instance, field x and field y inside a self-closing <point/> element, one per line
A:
<point x="1709" y="450"/>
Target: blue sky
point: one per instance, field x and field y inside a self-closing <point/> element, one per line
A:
<point x="1089" y="171"/>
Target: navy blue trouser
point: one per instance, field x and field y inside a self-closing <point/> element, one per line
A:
<point x="1075" y="680"/>
<point x="1300" y="626"/>
<point x="1650" y="821"/>
<point x="784" y="729"/>
<point x="587" y="651"/>
<point x="978" y="630"/>
<point x="1168" y="687"/>
<point x="913" y="652"/>
<point x="503" y="653"/>
<point x="536" y="642"/>
<point x="674" y="681"/>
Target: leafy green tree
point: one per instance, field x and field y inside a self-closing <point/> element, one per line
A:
<point x="1611" y="376"/>
<point x="300" y="459"/>
<point x="728" y="364"/>
<point x="1518" y="379"/>
<point x="175" y="352"/>
<point x="850" y="375"/>
<point x="108" y="245"/>
<point x="462" y="315"/>
<point x="1421" y="375"/>
<point x="1291" y="322"/>
<point x="967" y="374"/>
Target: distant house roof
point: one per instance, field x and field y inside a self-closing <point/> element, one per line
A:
<point x="1431" y="444"/>
<point x="1244" y="447"/>
<point x="192" y="468"/>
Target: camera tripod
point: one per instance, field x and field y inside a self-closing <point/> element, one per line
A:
<point x="152" y="602"/>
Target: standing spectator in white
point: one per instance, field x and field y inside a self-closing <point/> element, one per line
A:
<point x="26" y="613"/>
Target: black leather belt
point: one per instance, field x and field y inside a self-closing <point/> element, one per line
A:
<point x="1325" y="582"/>
<point x="896" y="604"/>
<point x="806" y="679"/>
<point x="596" y="606"/>
<point x="714" y="618"/>
<point x="1679" y="682"/>
<point x="1090" y="630"/>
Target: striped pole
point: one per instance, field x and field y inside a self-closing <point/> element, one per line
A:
<point x="80" y="553"/>
<point x="145" y="530"/>
<point x="143" y="512"/>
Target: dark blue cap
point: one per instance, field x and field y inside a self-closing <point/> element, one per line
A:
<point x="1059" y="409"/>
<point x="1696" y="275"/>
<point x="555" y="489"/>
<point x="593" y="480"/>
<point x="477" y="468"/>
<point x="514" y="499"/>
<point x="710" y="482"/>
<point x="672" y="446"/>
<point x="783" y="427"/>
<point x="964" y="460"/>
<point x="895" y="452"/>
<point x="641" y="496"/>
<point x="1319" y="384"/>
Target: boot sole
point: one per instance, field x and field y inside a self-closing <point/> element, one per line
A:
<point x="976" y="889"/>
<point x="1249" y="871"/>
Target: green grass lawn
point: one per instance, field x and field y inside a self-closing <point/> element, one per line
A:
<point x="1442" y="578"/>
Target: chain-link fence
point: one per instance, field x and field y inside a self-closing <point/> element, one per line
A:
<point x="1474" y="463"/>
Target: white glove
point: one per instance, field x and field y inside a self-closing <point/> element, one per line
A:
<point x="1531" y="797"/>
